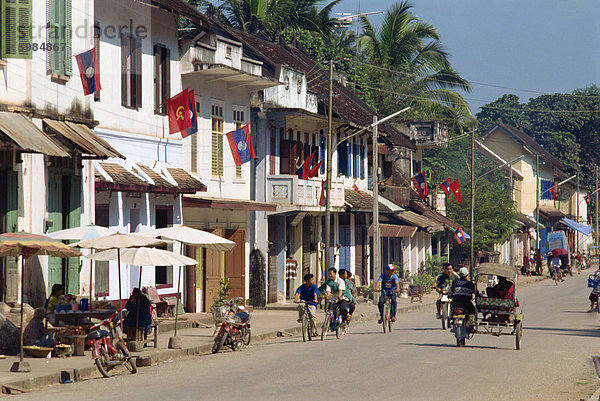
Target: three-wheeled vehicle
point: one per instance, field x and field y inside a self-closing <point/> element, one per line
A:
<point x="495" y="307"/>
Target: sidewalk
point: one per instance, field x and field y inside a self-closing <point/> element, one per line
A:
<point x="266" y="325"/>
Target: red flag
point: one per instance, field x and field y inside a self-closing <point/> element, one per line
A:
<point x="446" y="187"/>
<point x="358" y="190"/>
<point x="179" y="112"/>
<point x="322" y="197"/>
<point x="455" y="188"/>
<point x="304" y="171"/>
<point x="315" y="170"/>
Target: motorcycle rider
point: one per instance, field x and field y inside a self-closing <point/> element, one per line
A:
<point x="390" y="283"/>
<point x="462" y="291"/>
<point x="443" y="279"/>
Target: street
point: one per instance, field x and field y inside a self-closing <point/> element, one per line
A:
<point x="418" y="361"/>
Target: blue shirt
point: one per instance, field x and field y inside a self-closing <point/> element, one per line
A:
<point x="389" y="284"/>
<point x="308" y="293"/>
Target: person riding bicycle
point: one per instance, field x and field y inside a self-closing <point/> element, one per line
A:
<point x="390" y="284"/>
<point x="555" y="263"/>
<point x="309" y="293"/>
<point x="462" y="291"/>
<point x="345" y="275"/>
<point x="443" y="279"/>
<point x="335" y="289"/>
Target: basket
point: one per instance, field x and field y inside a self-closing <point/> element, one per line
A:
<point x="220" y="313"/>
<point x="37" y="352"/>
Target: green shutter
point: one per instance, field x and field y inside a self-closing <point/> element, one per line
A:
<point x="54" y="205"/>
<point x="16" y="29"/>
<point x="52" y="27"/>
<point x="74" y="220"/>
<point x="12" y="219"/>
<point x="67" y="56"/>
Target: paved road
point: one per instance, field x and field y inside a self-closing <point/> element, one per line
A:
<point x="418" y="361"/>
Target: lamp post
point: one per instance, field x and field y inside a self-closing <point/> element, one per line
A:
<point x="473" y="182"/>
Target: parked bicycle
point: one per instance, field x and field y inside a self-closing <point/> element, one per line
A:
<point x="332" y="322"/>
<point x="309" y="329"/>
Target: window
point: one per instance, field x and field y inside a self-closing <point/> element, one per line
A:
<point x="238" y="119"/>
<point x="362" y="162"/>
<point x="97" y="48"/>
<point x="101" y="268"/>
<point x="16" y="29"/>
<point x="356" y="162"/>
<point x="59" y="58"/>
<point x="322" y="150"/>
<point x="131" y="72"/>
<point x="217" y="141"/>
<point x="163" y="275"/>
<point x="273" y="151"/>
<point x="194" y="144"/>
<point x="545" y="186"/>
<point x="228" y="52"/>
<point x="162" y="78"/>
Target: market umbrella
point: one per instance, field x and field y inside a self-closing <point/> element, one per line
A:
<point x="144" y="257"/>
<point x="91" y="231"/>
<point x="559" y="252"/>
<point x="119" y="241"/>
<point x="192" y="237"/>
<point x="26" y="245"/>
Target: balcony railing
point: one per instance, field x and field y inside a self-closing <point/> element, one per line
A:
<point x="290" y="190"/>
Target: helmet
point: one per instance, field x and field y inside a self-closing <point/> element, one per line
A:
<point x="390" y="267"/>
<point x="463" y="272"/>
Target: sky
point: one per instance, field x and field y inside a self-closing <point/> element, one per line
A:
<point x="531" y="46"/>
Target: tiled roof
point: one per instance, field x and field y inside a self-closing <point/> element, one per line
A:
<point x="359" y="202"/>
<point x="184" y="9"/>
<point x="158" y="179"/>
<point x="427" y="211"/>
<point x="420" y="221"/>
<point x="120" y="175"/>
<point x="185" y="181"/>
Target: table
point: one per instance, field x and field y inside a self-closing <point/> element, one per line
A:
<point x="72" y="318"/>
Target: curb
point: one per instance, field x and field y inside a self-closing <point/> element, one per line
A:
<point x="151" y="358"/>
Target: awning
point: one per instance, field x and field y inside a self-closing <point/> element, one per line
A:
<point x="551" y="212"/>
<point x="227" y="204"/>
<point x="83" y="138"/>
<point x="363" y="202"/>
<point x="394" y="231"/>
<point x="28" y="136"/>
<point x="582" y="228"/>
<point x="420" y="221"/>
<point x="233" y="77"/>
<point x="528" y="221"/>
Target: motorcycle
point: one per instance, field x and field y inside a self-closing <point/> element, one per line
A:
<point x="445" y="307"/>
<point x="108" y="347"/>
<point x="460" y="322"/>
<point x="235" y="329"/>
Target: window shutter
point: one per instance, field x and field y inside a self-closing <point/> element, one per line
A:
<point x="322" y="152"/>
<point x="16" y="29"/>
<point x="68" y="51"/>
<point x="362" y="162"/>
<point x="97" y="47"/>
<point x="284" y="158"/>
<point x="157" y="80"/>
<point x="349" y="159"/>
<point x="138" y="72"/>
<point x="167" y="88"/>
<point x="194" y="158"/>
<point x="124" y="78"/>
<point x="342" y="159"/>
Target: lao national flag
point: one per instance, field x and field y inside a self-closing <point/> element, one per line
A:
<point x="322" y="197"/>
<point x="88" y="71"/>
<point x="179" y="112"/>
<point x="455" y="188"/>
<point x="588" y="201"/>
<point x="446" y="187"/>
<point x="193" y="115"/>
<point x="304" y="171"/>
<point x="459" y="235"/>
<point x="241" y="145"/>
<point x="420" y="182"/>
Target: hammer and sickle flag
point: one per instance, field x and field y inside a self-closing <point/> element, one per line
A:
<point x="179" y="112"/>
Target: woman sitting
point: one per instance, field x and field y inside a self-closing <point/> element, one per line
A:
<point x="145" y="316"/>
<point x="35" y="333"/>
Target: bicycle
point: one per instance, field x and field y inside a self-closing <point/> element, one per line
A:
<point x="386" y="320"/>
<point x="331" y="324"/>
<point x="556" y="275"/>
<point x="309" y="328"/>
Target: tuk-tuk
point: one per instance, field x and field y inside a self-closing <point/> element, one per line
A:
<point x="495" y="307"/>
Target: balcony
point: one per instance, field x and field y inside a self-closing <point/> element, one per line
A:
<point x="289" y="190"/>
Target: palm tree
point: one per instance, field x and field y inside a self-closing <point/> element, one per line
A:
<point x="414" y="68"/>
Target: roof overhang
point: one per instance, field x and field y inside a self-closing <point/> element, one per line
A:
<point x="195" y="201"/>
<point x="83" y="138"/>
<point x="516" y="174"/>
<point x="233" y="77"/>
<point x="420" y="221"/>
<point x="551" y="212"/>
<point x="28" y="137"/>
<point x="394" y="231"/>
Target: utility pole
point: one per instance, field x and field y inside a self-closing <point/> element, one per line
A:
<point x="472" y="247"/>
<point x="328" y="177"/>
<point x="597" y="231"/>
<point x="376" y="239"/>
<point x="577" y="201"/>
<point x="537" y="202"/>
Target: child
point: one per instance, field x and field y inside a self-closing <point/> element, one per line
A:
<point x="308" y="293"/>
<point x="345" y="275"/>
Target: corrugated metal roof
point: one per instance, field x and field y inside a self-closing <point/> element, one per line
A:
<point x="394" y="231"/>
<point x="28" y="136"/>
<point x="83" y="138"/>
<point x="420" y="221"/>
<point x="362" y="202"/>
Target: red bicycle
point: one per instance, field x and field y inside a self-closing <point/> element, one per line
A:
<point x="108" y="347"/>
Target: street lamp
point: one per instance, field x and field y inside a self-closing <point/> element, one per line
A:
<point x="473" y="181"/>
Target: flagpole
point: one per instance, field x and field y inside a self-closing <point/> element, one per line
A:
<point x="577" y="201"/>
<point x="471" y="245"/>
<point x="329" y="167"/>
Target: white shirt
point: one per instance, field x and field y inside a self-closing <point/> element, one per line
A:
<point x="341" y="287"/>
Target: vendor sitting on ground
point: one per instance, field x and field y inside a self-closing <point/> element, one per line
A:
<point x="52" y="301"/>
<point x="145" y="319"/>
<point x="35" y="333"/>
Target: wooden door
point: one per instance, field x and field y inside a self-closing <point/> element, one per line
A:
<point x="190" y="280"/>
<point x="306" y="230"/>
<point x="10" y="208"/>
<point x="55" y="208"/>
<point x="272" y="261"/>
<point x="235" y="263"/>
<point x="213" y="273"/>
